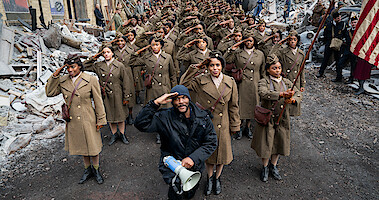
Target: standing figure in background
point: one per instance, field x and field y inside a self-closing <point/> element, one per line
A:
<point x="99" y="16"/>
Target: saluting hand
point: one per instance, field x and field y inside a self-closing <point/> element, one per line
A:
<point x="56" y="73"/>
<point x="166" y="98"/>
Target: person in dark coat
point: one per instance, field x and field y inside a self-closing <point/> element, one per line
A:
<point x="334" y="29"/>
<point x="187" y="134"/>
<point x="99" y="16"/>
<point x="347" y="55"/>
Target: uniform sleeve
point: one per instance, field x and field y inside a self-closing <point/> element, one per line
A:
<point x="136" y="60"/>
<point x="298" y="95"/>
<point x="265" y="93"/>
<point x="89" y="65"/>
<point x="209" y="144"/>
<point x="230" y="56"/>
<point x="263" y="67"/>
<point x="98" y="101"/>
<point x="173" y="73"/>
<point x="184" y="54"/>
<point x="189" y="80"/>
<point x="233" y="108"/>
<point x="53" y="86"/>
<point x="125" y="84"/>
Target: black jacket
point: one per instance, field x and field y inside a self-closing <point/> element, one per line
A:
<point x="339" y="31"/>
<point x="197" y="140"/>
<point x="99" y="17"/>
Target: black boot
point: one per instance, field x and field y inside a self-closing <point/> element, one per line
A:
<point x="264" y="174"/>
<point x="360" y="90"/>
<point x="338" y="79"/>
<point x="217" y="186"/>
<point x="130" y="119"/>
<point x="124" y="139"/>
<point x="138" y="100"/>
<point x="349" y="81"/>
<point x="239" y="135"/>
<point x="158" y="141"/>
<point x="87" y="174"/>
<point x="209" y="186"/>
<point x="98" y="177"/>
<point x="113" y="138"/>
<point x="275" y="172"/>
<point x="249" y="133"/>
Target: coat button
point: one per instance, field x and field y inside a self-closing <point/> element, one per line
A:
<point x="110" y="75"/>
<point x="78" y="117"/>
<point x="220" y="114"/>
<point x="79" y="107"/>
<point x="111" y="92"/>
<point x="78" y="95"/>
<point x="102" y="75"/>
<point x="70" y="117"/>
<point x="65" y="96"/>
<point x="288" y="71"/>
<point x="273" y="115"/>
<point x="219" y="126"/>
<point x="290" y="62"/>
<point x="103" y="83"/>
<point x="294" y="79"/>
<point x="152" y="83"/>
<point x="159" y="74"/>
<point x="223" y="104"/>
<point x="206" y="71"/>
<point x="268" y="96"/>
<point x="252" y="71"/>
<point x="251" y="62"/>
<point x="209" y="101"/>
<point x="159" y="83"/>
<point x="161" y="66"/>
<point x="251" y="79"/>
<point x="281" y="106"/>
<point x="110" y="83"/>
<point x="295" y="71"/>
<point x="128" y="95"/>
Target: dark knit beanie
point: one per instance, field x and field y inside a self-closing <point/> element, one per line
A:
<point x="181" y="90"/>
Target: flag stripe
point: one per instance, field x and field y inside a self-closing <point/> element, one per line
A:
<point x="370" y="52"/>
<point x="369" y="29"/>
<point x="367" y="8"/>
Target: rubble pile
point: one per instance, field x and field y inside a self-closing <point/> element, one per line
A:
<point x="26" y="113"/>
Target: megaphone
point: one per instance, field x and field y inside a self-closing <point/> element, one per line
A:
<point x="188" y="178"/>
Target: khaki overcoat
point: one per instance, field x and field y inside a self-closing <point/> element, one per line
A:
<point x="226" y="117"/>
<point x="117" y="89"/>
<point x="248" y="87"/>
<point x="291" y="64"/>
<point x="164" y="75"/>
<point x="81" y="137"/>
<point x="271" y="139"/>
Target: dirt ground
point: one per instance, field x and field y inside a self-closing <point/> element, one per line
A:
<point x="334" y="155"/>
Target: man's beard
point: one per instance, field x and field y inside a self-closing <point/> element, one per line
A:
<point x="177" y="108"/>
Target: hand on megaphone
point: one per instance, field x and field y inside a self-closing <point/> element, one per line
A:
<point x="187" y="162"/>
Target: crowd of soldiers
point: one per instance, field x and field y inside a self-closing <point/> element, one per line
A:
<point x="173" y="43"/>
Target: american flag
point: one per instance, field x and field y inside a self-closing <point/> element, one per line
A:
<point x="366" y="36"/>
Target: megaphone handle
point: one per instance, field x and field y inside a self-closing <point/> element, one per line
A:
<point x="174" y="186"/>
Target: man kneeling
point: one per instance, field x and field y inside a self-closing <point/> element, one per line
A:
<point x="187" y="134"/>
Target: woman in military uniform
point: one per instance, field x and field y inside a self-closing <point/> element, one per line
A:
<point x="122" y="53"/>
<point x="159" y="65"/>
<point x="83" y="130"/>
<point x="291" y="58"/>
<point x="217" y="93"/>
<point x="116" y="90"/>
<point x="252" y="62"/>
<point x="272" y="140"/>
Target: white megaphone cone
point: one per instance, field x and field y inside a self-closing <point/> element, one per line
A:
<point x="188" y="178"/>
